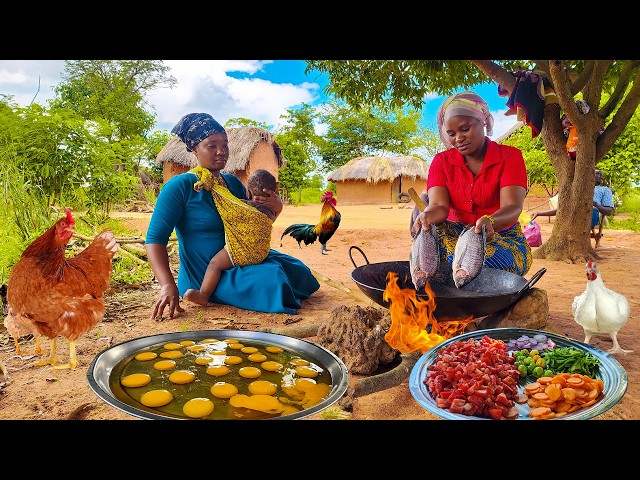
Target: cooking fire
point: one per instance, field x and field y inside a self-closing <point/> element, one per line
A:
<point x="413" y="323"/>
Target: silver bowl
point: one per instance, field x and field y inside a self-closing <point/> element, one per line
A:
<point x="103" y="364"/>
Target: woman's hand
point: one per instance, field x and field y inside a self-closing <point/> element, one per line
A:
<point x="533" y="216"/>
<point x="167" y="297"/>
<point x="271" y="199"/>
<point x="422" y="221"/>
<point x="488" y="227"/>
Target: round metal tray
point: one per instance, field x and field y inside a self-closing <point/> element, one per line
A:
<point x="611" y="372"/>
<point x="104" y="363"/>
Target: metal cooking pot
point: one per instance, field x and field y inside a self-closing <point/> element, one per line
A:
<point x="491" y="291"/>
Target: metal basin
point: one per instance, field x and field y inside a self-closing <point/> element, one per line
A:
<point x="109" y="362"/>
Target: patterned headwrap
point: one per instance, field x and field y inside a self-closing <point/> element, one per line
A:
<point x="195" y="127"/>
<point x="463" y="103"/>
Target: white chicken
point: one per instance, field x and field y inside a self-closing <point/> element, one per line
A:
<point x="600" y="310"/>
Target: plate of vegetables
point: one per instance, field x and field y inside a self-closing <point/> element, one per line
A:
<point x="516" y="373"/>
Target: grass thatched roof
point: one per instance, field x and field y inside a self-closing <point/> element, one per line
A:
<point x="242" y="142"/>
<point x="378" y="169"/>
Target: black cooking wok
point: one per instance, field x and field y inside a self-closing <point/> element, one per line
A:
<point x="491" y="291"/>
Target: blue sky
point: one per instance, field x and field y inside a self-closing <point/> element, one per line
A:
<point x="261" y="90"/>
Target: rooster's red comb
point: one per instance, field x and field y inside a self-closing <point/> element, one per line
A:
<point x="69" y="217"/>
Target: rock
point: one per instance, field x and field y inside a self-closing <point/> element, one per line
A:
<point x="356" y="335"/>
<point x="531" y="311"/>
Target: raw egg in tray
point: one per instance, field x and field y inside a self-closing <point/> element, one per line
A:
<point x="218" y="375"/>
<point x="496" y="389"/>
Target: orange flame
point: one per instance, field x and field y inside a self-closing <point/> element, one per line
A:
<point x="413" y="324"/>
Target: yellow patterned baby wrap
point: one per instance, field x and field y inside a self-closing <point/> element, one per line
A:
<point x="247" y="230"/>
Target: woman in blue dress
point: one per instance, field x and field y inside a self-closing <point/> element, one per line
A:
<point x="277" y="285"/>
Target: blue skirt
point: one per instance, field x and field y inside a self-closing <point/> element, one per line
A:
<point x="277" y="285"/>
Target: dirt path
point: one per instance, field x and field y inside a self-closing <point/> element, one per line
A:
<point x="382" y="233"/>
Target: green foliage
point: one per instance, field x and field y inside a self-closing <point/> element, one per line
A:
<point x="299" y="144"/>
<point x="306" y="196"/>
<point x="621" y="165"/>
<point x="539" y="168"/>
<point x="367" y="131"/>
<point x="394" y="84"/>
<point x="241" y="122"/>
<point x="112" y="91"/>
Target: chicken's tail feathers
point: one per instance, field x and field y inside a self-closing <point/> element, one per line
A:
<point x="301" y="232"/>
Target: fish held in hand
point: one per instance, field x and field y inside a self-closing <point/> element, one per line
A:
<point x="424" y="259"/>
<point x="468" y="256"/>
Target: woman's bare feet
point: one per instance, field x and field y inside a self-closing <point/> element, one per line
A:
<point x="194" y="296"/>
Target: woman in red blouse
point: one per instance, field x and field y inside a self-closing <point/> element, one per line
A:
<point x="476" y="181"/>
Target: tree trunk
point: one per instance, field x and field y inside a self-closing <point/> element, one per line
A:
<point x="570" y="238"/>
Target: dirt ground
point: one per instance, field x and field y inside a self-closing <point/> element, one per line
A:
<point x="382" y="233"/>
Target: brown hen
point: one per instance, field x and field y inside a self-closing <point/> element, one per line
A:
<point x="51" y="295"/>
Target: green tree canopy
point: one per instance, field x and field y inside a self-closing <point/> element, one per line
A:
<point x="113" y="91"/>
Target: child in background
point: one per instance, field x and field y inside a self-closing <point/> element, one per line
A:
<point x="257" y="181"/>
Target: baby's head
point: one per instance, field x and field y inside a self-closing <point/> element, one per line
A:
<point x="566" y="123"/>
<point x="259" y="180"/>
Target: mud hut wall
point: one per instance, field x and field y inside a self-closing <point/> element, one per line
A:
<point x="359" y="192"/>
<point x="262" y="157"/>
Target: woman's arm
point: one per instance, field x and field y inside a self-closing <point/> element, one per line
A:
<point x="436" y="212"/>
<point x="168" y="295"/>
<point x="511" y="205"/>
<point x="546" y="213"/>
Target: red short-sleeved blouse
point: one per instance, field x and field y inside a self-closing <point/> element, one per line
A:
<point x="471" y="197"/>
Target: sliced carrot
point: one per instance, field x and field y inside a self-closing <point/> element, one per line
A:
<point x="553" y="392"/>
<point x="539" y="411"/>
<point x="569" y="394"/>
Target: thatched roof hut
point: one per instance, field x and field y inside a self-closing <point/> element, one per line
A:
<point x="379" y="179"/>
<point x="250" y="148"/>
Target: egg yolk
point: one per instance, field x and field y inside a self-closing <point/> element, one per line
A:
<point x="299" y="362"/>
<point x="171" y="354"/>
<point x="135" y="380"/>
<point x="156" y="398"/>
<point x="236" y="346"/>
<point x="218" y="370"/>
<point x="164" y="365"/>
<point x="262" y="387"/>
<point x="146" y="356"/>
<point x="306" y="372"/>
<point x="182" y="376"/>
<point x="273" y="349"/>
<point x="272" y="366"/>
<point x="248" y="349"/>
<point x="203" y="360"/>
<point x="223" y="390"/>
<point x="249" y="372"/>
<point x="232" y="340"/>
<point x="198" y="408"/>
<point x="187" y="343"/>
<point x="172" y="346"/>
<point x="233" y="360"/>
<point x="209" y="340"/>
<point x="257" y="357"/>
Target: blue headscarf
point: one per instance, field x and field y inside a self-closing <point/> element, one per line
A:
<point x="195" y="127"/>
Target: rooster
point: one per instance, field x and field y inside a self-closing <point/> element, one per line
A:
<point x="323" y="230"/>
<point x="51" y="295"/>
<point x="600" y="310"/>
